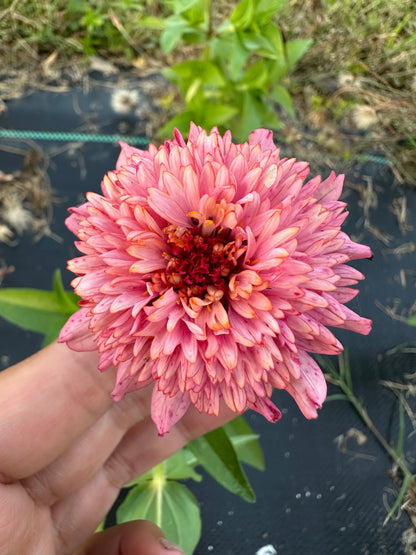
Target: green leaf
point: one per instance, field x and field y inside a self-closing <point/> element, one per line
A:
<point x="274" y="37"/>
<point x="256" y="77"/>
<point x="51" y="335"/>
<point x="193" y="37"/>
<point x="152" y="22"/>
<point x="196" y="13"/>
<point x="180" y="6"/>
<point x="242" y="15"/>
<point x="217" y="455"/>
<point x="402" y="430"/>
<point x="193" y="90"/>
<point x="217" y="114"/>
<point x="34" y="310"/>
<point x="181" y="122"/>
<point x="245" y="442"/>
<point x="344" y="368"/>
<point x="175" y="28"/>
<point x="170" y="505"/>
<point x="254" y="42"/>
<point x="295" y="49"/>
<point x="251" y="117"/>
<point x="336" y="397"/>
<point x="412" y="320"/>
<point x="399" y="499"/>
<point x="266" y="9"/>
<point x="100" y="527"/>
<point x="269" y="117"/>
<point x="208" y="72"/>
<point x="180" y="466"/>
<point x="230" y="52"/>
<point x="40" y="311"/>
<point x="280" y="95"/>
<point x="67" y="300"/>
<point x="238" y="56"/>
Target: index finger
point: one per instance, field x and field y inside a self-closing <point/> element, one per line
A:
<point x="46" y="403"/>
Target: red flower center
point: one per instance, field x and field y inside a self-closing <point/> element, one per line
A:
<point x="200" y="257"/>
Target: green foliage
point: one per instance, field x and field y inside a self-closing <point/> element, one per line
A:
<point x="157" y="496"/>
<point x="40" y="311"/>
<point x="215" y="452"/>
<point x="237" y="79"/>
<point x="245" y="443"/>
<point x="168" y="504"/>
<point x="116" y="27"/>
<point x="412" y="320"/>
<point x="341" y="377"/>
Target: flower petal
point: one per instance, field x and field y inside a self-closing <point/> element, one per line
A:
<point x="166" y="411"/>
<point x="76" y="332"/>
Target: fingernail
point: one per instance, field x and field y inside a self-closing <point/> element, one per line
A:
<point x="171" y="547"/>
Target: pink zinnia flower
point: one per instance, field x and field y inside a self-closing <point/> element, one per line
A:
<point x="212" y="270"/>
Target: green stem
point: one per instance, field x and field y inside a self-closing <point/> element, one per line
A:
<point x="209" y="17"/>
<point x="370" y="425"/>
<point x="158" y="482"/>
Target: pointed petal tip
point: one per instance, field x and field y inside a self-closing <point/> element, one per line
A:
<point x="166" y="411"/>
<point x="264" y="137"/>
<point x="267" y="408"/>
<point x="76" y="333"/>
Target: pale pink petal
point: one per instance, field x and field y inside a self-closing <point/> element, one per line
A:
<point x="354" y="250"/>
<point x="166" y="411"/>
<point x="330" y="189"/>
<point x="265" y="407"/>
<point x="309" y="391"/>
<point x="212" y="269"/>
<point x="76" y="332"/>
<point x="125" y="155"/>
<point x="356" y="323"/>
<point x="264" y="137"/>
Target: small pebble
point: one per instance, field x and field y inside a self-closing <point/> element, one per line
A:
<point x="266" y="550"/>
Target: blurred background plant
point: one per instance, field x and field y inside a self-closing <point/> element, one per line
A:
<point x="338" y="77"/>
<point x="236" y="79"/>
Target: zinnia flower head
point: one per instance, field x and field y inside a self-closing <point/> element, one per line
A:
<point x="211" y="269"/>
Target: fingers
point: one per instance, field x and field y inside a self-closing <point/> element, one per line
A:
<point x="46" y="402"/>
<point x="125" y="441"/>
<point x="139" y="450"/>
<point x="138" y="537"/>
<point x="78" y="464"/>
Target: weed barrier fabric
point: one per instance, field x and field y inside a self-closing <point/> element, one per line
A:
<point x="326" y="487"/>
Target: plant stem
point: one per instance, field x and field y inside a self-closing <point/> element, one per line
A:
<point x="370" y="425"/>
<point x="209" y="18"/>
<point x="158" y="482"/>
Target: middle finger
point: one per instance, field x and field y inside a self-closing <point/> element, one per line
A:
<point x="73" y="468"/>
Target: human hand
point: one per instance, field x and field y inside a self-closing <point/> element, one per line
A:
<point x="67" y="449"/>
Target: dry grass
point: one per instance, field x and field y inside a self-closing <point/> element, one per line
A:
<point x="353" y="90"/>
<point x="355" y="87"/>
<point x="25" y="200"/>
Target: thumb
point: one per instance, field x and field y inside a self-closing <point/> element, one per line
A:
<point x="138" y="537"/>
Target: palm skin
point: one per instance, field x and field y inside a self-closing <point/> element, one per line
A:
<point x="66" y="449"/>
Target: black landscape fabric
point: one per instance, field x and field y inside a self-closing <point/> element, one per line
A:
<point x="323" y="491"/>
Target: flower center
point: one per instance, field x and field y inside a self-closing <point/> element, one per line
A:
<point x="201" y="259"/>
